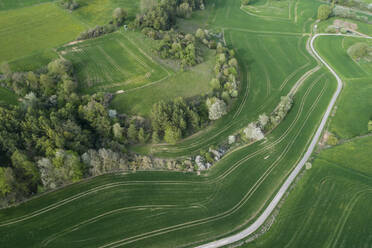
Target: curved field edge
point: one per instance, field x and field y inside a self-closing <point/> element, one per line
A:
<point x="357" y="85"/>
<point x="284" y="149"/>
<point x="352" y="157"/>
<point x="325" y="208"/>
<point x="232" y="20"/>
<point x="242" y="170"/>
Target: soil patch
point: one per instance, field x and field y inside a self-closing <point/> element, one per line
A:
<point x="344" y="24"/>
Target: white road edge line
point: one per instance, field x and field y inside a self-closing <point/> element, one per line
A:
<point x="258" y="223"/>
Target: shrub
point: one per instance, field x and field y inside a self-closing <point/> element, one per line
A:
<point x="324" y="11"/>
<point x="217" y="108"/>
<point x="172" y="135"/>
<point x="96" y="32"/>
<point x="245" y="2"/>
<point x="253" y="132"/>
<point x="69" y="4"/>
<point x="331" y="29"/>
<point x="119" y="16"/>
<point x="358" y="50"/>
<point x="332" y="140"/>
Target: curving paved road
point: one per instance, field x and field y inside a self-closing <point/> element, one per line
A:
<point x="258" y="223"/>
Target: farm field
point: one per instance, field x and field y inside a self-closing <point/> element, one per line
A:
<point x="99" y="12"/>
<point x="185" y="209"/>
<point x="112" y="63"/>
<point x="264" y="80"/>
<point x="272" y="9"/>
<point x="327" y="207"/>
<point x="8" y="97"/>
<point x="14" y="4"/>
<point x="187" y="84"/>
<point x="355" y="100"/>
<point x="174" y="209"/>
<point x="207" y="217"/>
<point x="116" y="62"/>
<point x="34" y="29"/>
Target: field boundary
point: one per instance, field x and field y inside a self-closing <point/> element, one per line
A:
<point x="283" y="189"/>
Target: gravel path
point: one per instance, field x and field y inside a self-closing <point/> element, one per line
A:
<point x="258" y="223"/>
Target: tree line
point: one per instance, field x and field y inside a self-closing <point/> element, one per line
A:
<point x="42" y="139"/>
<point x="56" y="136"/>
<point x="162" y="16"/>
<point x="119" y="17"/>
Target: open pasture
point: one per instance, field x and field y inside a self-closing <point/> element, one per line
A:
<point x="169" y="209"/>
<point x="7" y="97"/>
<point x="328" y="206"/>
<point x="362" y="27"/>
<point x="190" y="83"/>
<point x="99" y="12"/>
<point x="227" y="14"/>
<point x="33" y="61"/>
<point x="40" y="27"/>
<point x="112" y="63"/>
<point x="184" y="210"/>
<point x="264" y="81"/>
<point x="14" y="4"/>
<point x="272" y="9"/>
<point x="354" y="107"/>
<point x="267" y="73"/>
<point x="334" y="50"/>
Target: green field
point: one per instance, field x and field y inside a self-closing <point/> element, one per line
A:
<point x="190" y="83"/>
<point x="117" y="62"/>
<point x="37" y="28"/>
<point x="265" y="79"/>
<point x="328" y="206"/>
<point x="99" y="12"/>
<point x="111" y="63"/>
<point x="14" y="4"/>
<point x="271" y="9"/>
<point x="172" y="209"/>
<point x="169" y="209"/>
<point x="189" y="208"/>
<point x="355" y="101"/>
<point x="7" y="96"/>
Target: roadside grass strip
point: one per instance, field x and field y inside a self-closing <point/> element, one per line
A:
<point x="357" y="85"/>
<point x="325" y="208"/>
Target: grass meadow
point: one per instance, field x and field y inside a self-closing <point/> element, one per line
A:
<point x="99" y="12"/>
<point x="355" y="100"/>
<point x="36" y="28"/>
<point x="7" y="97"/>
<point x="111" y="63"/>
<point x="170" y="209"/>
<point x="190" y="83"/>
<point x="15" y="4"/>
<point x="184" y="209"/>
<point x="271" y="9"/>
<point x="264" y="78"/>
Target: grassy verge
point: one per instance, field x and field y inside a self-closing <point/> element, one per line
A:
<point x="353" y="110"/>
